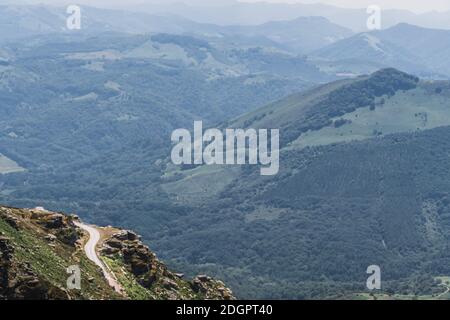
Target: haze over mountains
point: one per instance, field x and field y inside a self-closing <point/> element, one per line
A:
<point x="422" y="51"/>
<point x="230" y="12"/>
<point x="241" y="13"/>
<point x="292" y="35"/>
<point x="86" y="118"/>
<point x="414" y="49"/>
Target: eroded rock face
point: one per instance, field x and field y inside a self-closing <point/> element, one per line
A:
<point x="28" y="287"/>
<point x="154" y="275"/>
<point x="138" y="258"/>
<point x="33" y="242"/>
<point x="59" y="226"/>
<point x="211" y="288"/>
<point x="9" y="218"/>
<point x="19" y="282"/>
<point x="5" y="262"/>
<point x="53" y="221"/>
<point x="19" y="279"/>
<point x="127" y="235"/>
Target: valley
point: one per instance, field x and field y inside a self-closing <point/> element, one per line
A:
<point x="343" y="184"/>
<point x="339" y="182"/>
<point x="86" y="120"/>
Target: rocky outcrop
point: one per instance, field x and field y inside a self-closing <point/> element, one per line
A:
<point x="9" y="218"/>
<point x="153" y="275"/>
<point x="37" y="247"/>
<point x="18" y="281"/>
<point x="211" y="288"/>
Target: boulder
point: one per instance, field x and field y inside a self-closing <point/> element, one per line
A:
<point x="127" y="235"/>
<point x="203" y="278"/>
<point x="12" y="221"/>
<point x="107" y="250"/>
<point x="198" y="286"/>
<point x="50" y="238"/>
<point x="169" y="284"/>
<point x="114" y="243"/>
<point x="54" y="221"/>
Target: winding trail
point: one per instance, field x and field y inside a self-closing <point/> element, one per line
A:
<point x="447" y="290"/>
<point x="91" y="252"/>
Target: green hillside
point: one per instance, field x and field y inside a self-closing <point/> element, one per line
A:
<point x="8" y="165"/>
<point x="363" y="180"/>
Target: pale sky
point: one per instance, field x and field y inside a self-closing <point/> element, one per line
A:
<point x="411" y="5"/>
<point x="418" y="6"/>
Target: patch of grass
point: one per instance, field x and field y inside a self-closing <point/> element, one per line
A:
<point x="38" y="254"/>
<point x="9" y="166"/>
<point x="50" y="263"/>
<point x="133" y="289"/>
<point x="209" y="180"/>
<point x="408" y="111"/>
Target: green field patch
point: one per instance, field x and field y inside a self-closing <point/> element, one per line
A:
<point x="406" y="112"/>
<point x="9" y="166"/>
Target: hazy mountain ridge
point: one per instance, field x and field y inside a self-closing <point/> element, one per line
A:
<point x="332" y="47"/>
<point x="414" y="49"/>
<point x="296" y="34"/>
<point x="23" y="21"/>
<point x="40" y="20"/>
<point x="262" y="12"/>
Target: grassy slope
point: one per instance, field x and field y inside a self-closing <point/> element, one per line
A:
<point x="50" y="262"/>
<point x="406" y="112"/>
<point x="37" y="260"/>
<point x="9" y="166"/>
<point x="334" y="208"/>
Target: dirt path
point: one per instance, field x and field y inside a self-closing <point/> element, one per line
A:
<point x="91" y="252"/>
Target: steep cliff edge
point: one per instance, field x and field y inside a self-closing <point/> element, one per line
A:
<point x="39" y="251"/>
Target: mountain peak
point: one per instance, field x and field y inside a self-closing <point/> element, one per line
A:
<point x="406" y="25"/>
<point x="393" y="72"/>
<point x="403" y="26"/>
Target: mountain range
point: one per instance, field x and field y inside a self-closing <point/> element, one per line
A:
<point x="22" y="21"/>
<point x="334" y="49"/>
<point x="417" y="50"/>
<point x="245" y="13"/>
<point x="85" y="126"/>
<point x="363" y="180"/>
